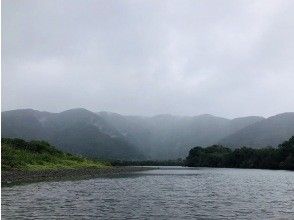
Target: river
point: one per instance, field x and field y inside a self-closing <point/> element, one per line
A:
<point x="164" y="193"/>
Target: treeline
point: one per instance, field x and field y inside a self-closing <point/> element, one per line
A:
<point x="265" y="158"/>
<point x="178" y="162"/>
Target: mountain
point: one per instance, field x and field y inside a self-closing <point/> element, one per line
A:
<point x="168" y="136"/>
<point x="110" y="135"/>
<point x="23" y="123"/>
<point x="268" y="132"/>
<point x="239" y="123"/>
<point x="76" y="131"/>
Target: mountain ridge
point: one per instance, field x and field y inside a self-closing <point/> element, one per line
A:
<point x="161" y="136"/>
<point x="272" y="131"/>
<point x="76" y="131"/>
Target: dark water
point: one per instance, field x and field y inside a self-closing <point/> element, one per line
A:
<point x="170" y="193"/>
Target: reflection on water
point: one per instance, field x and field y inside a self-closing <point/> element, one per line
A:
<point x="166" y="193"/>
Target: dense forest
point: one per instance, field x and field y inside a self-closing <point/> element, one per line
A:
<point x="281" y="157"/>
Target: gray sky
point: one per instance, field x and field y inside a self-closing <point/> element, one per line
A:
<point x="227" y="58"/>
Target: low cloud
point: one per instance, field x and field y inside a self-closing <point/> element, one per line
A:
<point x="228" y="58"/>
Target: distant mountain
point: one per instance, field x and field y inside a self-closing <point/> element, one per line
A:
<point x="76" y="131"/>
<point x="168" y="136"/>
<point x="110" y="135"/>
<point x="268" y="132"/>
<point x="25" y="123"/>
<point x="239" y="123"/>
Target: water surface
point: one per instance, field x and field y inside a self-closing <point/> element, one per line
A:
<point x="165" y="193"/>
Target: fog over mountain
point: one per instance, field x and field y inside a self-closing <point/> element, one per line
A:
<point x="168" y="136"/>
<point x="110" y="135"/>
<point x="169" y="68"/>
<point x="269" y="132"/>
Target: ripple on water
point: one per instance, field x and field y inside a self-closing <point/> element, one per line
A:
<point x="158" y="194"/>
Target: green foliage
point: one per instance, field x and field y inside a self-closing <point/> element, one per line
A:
<point x="264" y="158"/>
<point x="39" y="155"/>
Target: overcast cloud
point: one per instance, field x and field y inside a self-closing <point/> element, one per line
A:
<point x="227" y="58"/>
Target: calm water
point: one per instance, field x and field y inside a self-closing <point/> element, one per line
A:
<point x="167" y="193"/>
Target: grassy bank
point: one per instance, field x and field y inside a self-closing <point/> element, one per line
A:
<point x="17" y="154"/>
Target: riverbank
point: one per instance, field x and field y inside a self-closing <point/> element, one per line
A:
<point x="37" y="161"/>
<point x="14" y="177"/>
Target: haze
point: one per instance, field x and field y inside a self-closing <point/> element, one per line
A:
<point x="227" y="58"/>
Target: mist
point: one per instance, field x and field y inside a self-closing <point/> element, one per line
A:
<point x="226" y="58"/>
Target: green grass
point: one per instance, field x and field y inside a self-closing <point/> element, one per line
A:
<point x="17" y="154"/>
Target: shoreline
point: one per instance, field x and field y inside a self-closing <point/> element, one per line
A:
<point x="15" y="177"/>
